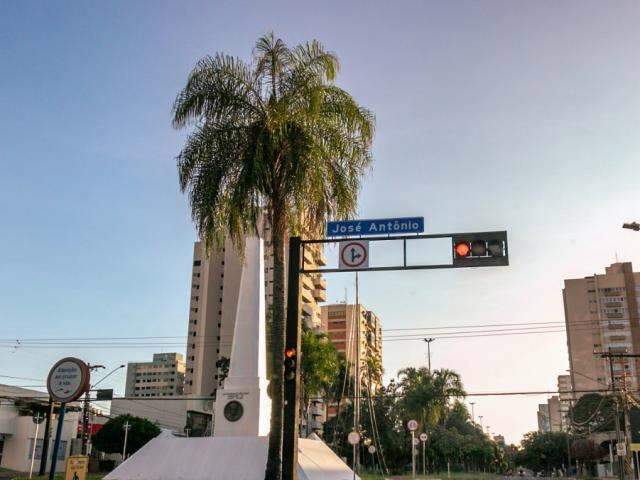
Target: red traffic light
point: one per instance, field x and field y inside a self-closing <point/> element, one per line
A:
<point x="290" y="352"/>
<point x="462" y="249"/>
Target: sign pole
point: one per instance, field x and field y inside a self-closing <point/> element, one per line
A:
<point x="424" y="465"/>
<point x="46" y="439"/>
<point x="56" y="443"/>
<point x="35" y="441"/>
<point x="413" y="454"/>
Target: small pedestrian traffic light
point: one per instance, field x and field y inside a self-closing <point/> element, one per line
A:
<point x="290" y="360"/>
<point x="480" y="249"/>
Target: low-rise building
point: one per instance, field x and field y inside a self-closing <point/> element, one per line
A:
<point x="18" y="429"/>
<point x="179" y="414"/>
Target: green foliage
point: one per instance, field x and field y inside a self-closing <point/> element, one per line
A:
<point x="452" y="437"/>
<point x="274" y="133"/>
<point x="543" y="451"/>
<point x="320" y="365"/>
<point x="427" y="396"/>
<point x="593" y="413"/>
<point x="110" y="438"/>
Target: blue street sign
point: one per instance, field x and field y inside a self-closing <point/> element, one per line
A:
<point x="380" y="226"/>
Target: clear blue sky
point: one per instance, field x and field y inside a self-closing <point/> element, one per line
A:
<point x="493" y="114"/>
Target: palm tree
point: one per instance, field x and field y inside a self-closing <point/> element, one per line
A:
<point x="277" y="136"/>
<point x="427" y="395"/>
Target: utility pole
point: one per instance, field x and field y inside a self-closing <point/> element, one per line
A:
<point x="86" y="413"/>
<point x="126" y="428"/>
<point x="481" y="427"/>
<point x="428" y="341"/>
<point x="36" y="419"/>
<point x="473" y="412"/>
<point x="358" y="382"/>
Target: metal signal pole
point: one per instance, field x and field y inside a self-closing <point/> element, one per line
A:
<point x="358" y="380"/>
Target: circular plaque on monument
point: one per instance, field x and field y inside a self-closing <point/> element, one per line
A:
<point x="233" y="411"/>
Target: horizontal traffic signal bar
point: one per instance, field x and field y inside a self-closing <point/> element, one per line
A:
<point x="478" y="249"/>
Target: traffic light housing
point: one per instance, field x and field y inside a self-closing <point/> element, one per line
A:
<point x="290" y="363"/>
<point x="485" y="249"/>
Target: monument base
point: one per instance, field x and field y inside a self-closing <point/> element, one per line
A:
<point x="167" y="457"/>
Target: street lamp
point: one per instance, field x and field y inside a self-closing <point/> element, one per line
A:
<point x="635" y="226"/>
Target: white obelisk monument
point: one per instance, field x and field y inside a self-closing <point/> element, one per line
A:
<point x="242" y="405"/>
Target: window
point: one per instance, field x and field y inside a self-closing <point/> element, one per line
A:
<point x="196" y="263"/>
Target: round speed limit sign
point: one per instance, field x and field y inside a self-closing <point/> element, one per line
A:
<point x="423" y="437"/>
<point x="353" y="438"/>
<point x="412" y="425"/>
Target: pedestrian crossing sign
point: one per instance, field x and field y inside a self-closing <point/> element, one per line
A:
<point x="77" y="467"/>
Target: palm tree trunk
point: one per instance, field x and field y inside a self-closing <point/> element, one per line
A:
<point x="274" y="458"/>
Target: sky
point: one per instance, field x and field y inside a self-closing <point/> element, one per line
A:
<point x="491" y="114"/>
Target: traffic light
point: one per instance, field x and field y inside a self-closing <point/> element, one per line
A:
<point x="290" y="360"/>
<point x="480" y="249"/>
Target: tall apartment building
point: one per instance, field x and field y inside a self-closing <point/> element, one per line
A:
<point x="601" y="314"/>
<point x="340" y="321"/>
<point x="215" y="286"/>
<point x="162" y="377"/>
<point x="550" y="416"/>
<point x="566" y="400"/>
<point x="543" y="418"/>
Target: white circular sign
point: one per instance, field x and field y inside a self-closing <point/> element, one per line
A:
<point x="423" y="437"/>
<point x="412" y="425"/>
<point x="372" y="449"/>
<point x="354" y="254"/>
<point x="416" y="441"/>
<point x="353" y="438"/>
<point x="68" y="380"/>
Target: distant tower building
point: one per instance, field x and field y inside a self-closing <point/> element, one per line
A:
<point x="601" y="314"/>
<point x="543" y="418"/>
<point x="215" y="287"/>
<point x="566" y="400"/>
<point x="162" y="377"/>
<point x="340" y="321"/>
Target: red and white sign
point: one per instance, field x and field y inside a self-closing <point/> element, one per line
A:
<point x="68" y="380"/>
<point x="354" y="254"/>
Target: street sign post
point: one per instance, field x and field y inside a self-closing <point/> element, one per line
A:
<point x="354" y="254"/>
<point x="379" y="226"/>
<point x="423" y="439"/>
<point x="412" y="425"/>
<point x="68" y="379"/>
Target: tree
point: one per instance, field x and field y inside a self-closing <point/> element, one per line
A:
<point x="593" y="413"/>
<point x="320" y="366"/>
<point x="110" y="438"/>
<point x="543" y="451"/>
<point x="275" y="135"/>
<point x="426" y="395"/>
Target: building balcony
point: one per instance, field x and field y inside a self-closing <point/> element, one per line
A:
<point x="614" y="315"/>
<point x="609" y="304"/>
<point x="320" y="282"/>
<point x="319" y="257"/>
<point x="320" y="295"/>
